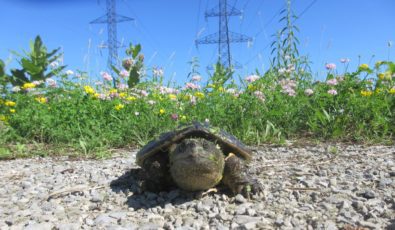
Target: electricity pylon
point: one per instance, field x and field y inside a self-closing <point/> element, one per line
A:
<point x="224" y="37"/>
<point x="111" y="18"/>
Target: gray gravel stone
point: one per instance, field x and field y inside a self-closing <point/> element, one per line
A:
<point x="314" y="190"/>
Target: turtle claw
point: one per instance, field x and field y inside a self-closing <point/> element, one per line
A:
<point x="252" y="188"/>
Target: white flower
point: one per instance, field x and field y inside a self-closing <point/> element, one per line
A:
<point x="136" y="113"/>
<point x="69" y="72"/>
<point x="36" y="83"/>
<point x="16" y="89"/>
<point x="158" y="72"/>
<point x="54" y="64"/>
<point x="309" y="92"/>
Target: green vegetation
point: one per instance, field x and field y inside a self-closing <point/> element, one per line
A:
<point x="42" y="105"/>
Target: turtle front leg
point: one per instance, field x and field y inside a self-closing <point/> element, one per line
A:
<point x="156" y="173"/>
<point x="237" y="178"/>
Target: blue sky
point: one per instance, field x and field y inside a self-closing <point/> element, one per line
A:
<point x="329" y="30"/>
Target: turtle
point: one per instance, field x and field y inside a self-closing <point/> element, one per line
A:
<point x="197" y="157"/>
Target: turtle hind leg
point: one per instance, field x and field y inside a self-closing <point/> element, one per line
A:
<point x="237" y="178"/>
<point x="156" y="176"/>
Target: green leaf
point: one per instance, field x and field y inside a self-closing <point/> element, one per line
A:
<point x="53" y="52"/>
<point x="30" y="67"/>
<point x="116" y="70"/>
<point x="18" y="77"/>
<point x="136" y="50"/>
<point x="2" y="65"/>
<point x="282" y="19"/>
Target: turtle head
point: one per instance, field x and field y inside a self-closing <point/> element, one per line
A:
<point x="196" y="164"/>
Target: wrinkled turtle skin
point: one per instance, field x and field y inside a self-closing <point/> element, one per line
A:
<point x="197" y="157"/>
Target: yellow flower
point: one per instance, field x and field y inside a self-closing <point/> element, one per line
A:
<point x="199" y="95"/>
<point x="378" y="90"/>
<point x="112" y="91"/>
<point x="187" y="97"/>
<point x="379" y="63"/>
<point x="251" y="87"/>
<point x="96" y="95"/>
<point x="12" y="110"/>
<point x="387" y="76"/>
<point x="366" y="93"/>
<point x="28" y="86"/>
<point x="162" y="111"/>
<point x="364" y="67"/>
<point x="119" y="107"/>
<point x="392" y="90"/>
<point x="380" y="76"/>
<point x="41" y="100"/>
<point x="183" y="118"/>
<point x="122" y="95"/>
<point x="3" y="118"/>
<point x="172" y="97"/>
<point x="131" y="98"/>
<point x="9" y="103"/>
<point x="89" y="90"/>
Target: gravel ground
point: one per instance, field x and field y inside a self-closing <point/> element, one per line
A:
<point x="310" y="187"/>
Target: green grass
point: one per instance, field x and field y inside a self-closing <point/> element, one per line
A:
<point x="256" y="112"/>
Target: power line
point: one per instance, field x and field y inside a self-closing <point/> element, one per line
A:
<point x="307" y="8"/>
<point x="258" y="8"/>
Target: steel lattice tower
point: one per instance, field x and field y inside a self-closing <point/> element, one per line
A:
<point x="224" y="37"/>
<point x="111" y="18"/>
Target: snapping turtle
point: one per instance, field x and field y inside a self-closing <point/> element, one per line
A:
<point x="197" y="157"/>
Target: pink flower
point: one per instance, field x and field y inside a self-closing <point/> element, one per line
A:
<point x="259" y="95"/>
<point x="252" y="78"/>
<point x="123" y="86"/>
<point x="190" y="85"/>
<point x="288" y="87"/>
<point x="99" y="83"/>
<point x="330" y="66"/>
<point x="51" y="82"/>
<point x="291" y="92"/>
<point x="309" y="92"/>
<point x="344" y="60"/>
<point x="193" y="100"/>
<point x="102" y="96"/>
<point x="174" y="116"/>
<point x="124" y="73"/>
<point x="106" y="76"/>
<point x="196" y="78"/>
<point x="143" y="93"/>
<point x="332" y="81"/>
<point x="332" y="92"/>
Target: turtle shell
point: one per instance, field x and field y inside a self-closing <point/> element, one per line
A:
<point x="226" y="141"/>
